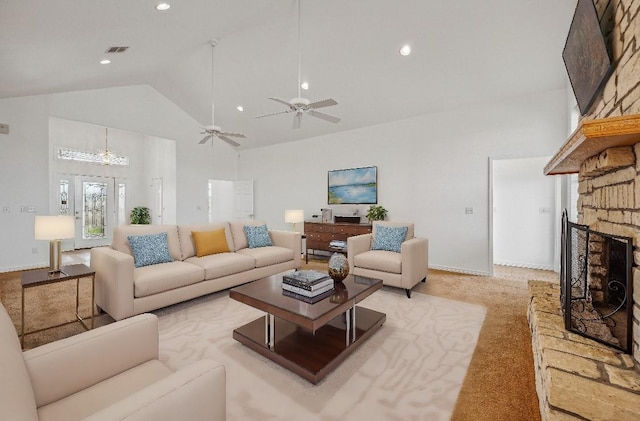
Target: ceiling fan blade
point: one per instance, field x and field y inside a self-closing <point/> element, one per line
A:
<point x="229" y="141"/>
<point x="324" y="103"/>
<point x="281" y="101"/>
<point x="276" y="113"/>
<point x="205" y="139"/>
<point x="230" y="134"/>
<point x="324" y="116"/>
<point x="297" y="119"/>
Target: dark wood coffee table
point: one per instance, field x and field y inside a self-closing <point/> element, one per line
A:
<point x="308" y="339"/>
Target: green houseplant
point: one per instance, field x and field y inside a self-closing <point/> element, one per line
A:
<point x="376" y="213"/>
<point x="140" y="215"/>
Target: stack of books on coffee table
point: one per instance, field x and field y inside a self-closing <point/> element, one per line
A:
<point x="307" y="285"/>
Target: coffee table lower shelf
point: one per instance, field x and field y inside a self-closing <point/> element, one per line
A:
<point x="311" y="356"/>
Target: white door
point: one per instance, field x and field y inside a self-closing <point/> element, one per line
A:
<point x="243" y="203"/>
<point x="94" y="211"/>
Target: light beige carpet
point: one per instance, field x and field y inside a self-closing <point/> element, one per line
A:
<point x="412" y="368"/>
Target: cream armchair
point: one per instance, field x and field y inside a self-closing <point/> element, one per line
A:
<point x="109" y="373"/>
<point x="401" y="263"/>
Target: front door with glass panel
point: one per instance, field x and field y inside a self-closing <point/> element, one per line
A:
<point x="94" y="211"/>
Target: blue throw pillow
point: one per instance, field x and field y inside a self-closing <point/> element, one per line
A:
<point x="150" y="249"/>
<point x="389" y="238"/>
<point x="257" y="236"/>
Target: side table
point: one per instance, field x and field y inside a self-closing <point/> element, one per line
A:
<point x="34" y="278"/>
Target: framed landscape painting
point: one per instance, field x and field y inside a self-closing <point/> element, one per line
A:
<point x="353" y="186"/>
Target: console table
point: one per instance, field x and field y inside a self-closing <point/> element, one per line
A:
<point x="319" y="234"/>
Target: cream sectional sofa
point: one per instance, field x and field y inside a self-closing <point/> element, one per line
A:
<point x="123" y="290"/>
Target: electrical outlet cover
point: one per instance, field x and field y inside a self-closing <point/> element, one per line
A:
<point x="4" y="128"/>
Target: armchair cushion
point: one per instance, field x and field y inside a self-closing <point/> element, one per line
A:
<point x="389" y="238"/>
<point x="382" y="260"/>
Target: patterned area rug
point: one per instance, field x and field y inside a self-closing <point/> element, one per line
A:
<point x="412" y="368"/>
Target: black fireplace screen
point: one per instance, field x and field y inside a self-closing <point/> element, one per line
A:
<point x="596" y="285"/>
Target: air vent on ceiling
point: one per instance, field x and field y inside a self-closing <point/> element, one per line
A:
<point x="116" y="50"/>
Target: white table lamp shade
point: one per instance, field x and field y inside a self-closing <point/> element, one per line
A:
<point x="293" y="216"/>
<point x="54" y="229"/>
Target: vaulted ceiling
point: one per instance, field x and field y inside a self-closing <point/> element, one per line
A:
<point x="463" y="52"/>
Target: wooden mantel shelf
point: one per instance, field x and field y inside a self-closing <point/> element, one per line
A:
<point x="592" y="137"/>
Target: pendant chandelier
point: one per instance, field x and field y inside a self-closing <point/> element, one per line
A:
<point x="106" y="157"/>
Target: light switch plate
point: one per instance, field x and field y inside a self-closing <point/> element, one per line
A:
<point x="4" y="128"/>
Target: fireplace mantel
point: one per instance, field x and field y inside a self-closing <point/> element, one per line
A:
<point x="592" y="137"/>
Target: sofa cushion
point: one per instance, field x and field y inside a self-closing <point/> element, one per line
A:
<point x="210" y="242"/>
<point x="99" y="396"/>
<point x="237" y="232"/>
<point x="380" y="260"/>
<point x="17" y="401"/>
<point x="222" y="264"/>
<point x="149" y="249"/>
<point x="149" y="280"/>
<point x="187" y="244"/>
<point x="389" y="238"/>
<point x="257" y="236"/>
<point x="265" y="256"/>
<point x="121" y="242"/>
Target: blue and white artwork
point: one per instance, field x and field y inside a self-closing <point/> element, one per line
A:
<point x="353" y="186"/>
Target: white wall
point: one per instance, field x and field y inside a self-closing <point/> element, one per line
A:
<point x="24" y="157"/>
<point x="524" y="213"/>
<point x="430" y="168"/>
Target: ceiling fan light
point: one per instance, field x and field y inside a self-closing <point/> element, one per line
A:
<point x="240" y="108"/>
<point x="163" y="6"/>
<point x="305" y="85"/>
<point x="105" y="61"/>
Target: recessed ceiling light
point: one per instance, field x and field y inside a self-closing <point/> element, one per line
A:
<point x="105" y="61"/>
<point x="240" y="108"/>
<point x="304" y="85"/>
<point x="405" y="50"/>
<point x="162" y="6"/>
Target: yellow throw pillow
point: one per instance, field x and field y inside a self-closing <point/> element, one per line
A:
<point x="210" y="242"/>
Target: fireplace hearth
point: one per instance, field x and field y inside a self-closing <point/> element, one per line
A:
<point x="596" y="294"/>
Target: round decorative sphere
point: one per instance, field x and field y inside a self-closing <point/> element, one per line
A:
<point x="338" y="267"/>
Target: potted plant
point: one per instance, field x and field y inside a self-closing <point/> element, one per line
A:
<point x="376" y="213"/>
<point x="140" y="215"/>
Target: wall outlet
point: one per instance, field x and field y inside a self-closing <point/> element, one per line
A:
<point x="34" y="250"/>
<point x="4" y="128"/>
<point x="468" y="211"/>
<point x="6" y="209"/>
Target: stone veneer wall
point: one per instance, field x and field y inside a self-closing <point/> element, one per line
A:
<point x="609" y="183"/>
<point x="577" y="378"/>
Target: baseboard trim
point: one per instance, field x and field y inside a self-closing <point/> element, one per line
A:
<point x="458" y="270"/>
<point x="25" y="267"/>
<point x="524" y="265"/>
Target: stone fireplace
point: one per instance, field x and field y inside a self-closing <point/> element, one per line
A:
<point x="579" y="378"/>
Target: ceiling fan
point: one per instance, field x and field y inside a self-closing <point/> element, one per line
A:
<point x="300" y="105"/>
<point x="213" y="130"/>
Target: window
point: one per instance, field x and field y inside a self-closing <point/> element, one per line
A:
<point x="92" y="158"/>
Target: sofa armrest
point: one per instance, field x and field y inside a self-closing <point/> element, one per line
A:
<point x="114" y="281"/>
<point x="291" y="240"/>
<point x="356" y="245"/>
<point x="196" y="392"/>
<point x="61" y="368"/>
<point x="415" y="261"/>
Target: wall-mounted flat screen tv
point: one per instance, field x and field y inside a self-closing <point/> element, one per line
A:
<point x="585" y="55"/>
<point x="353" y="186"/>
